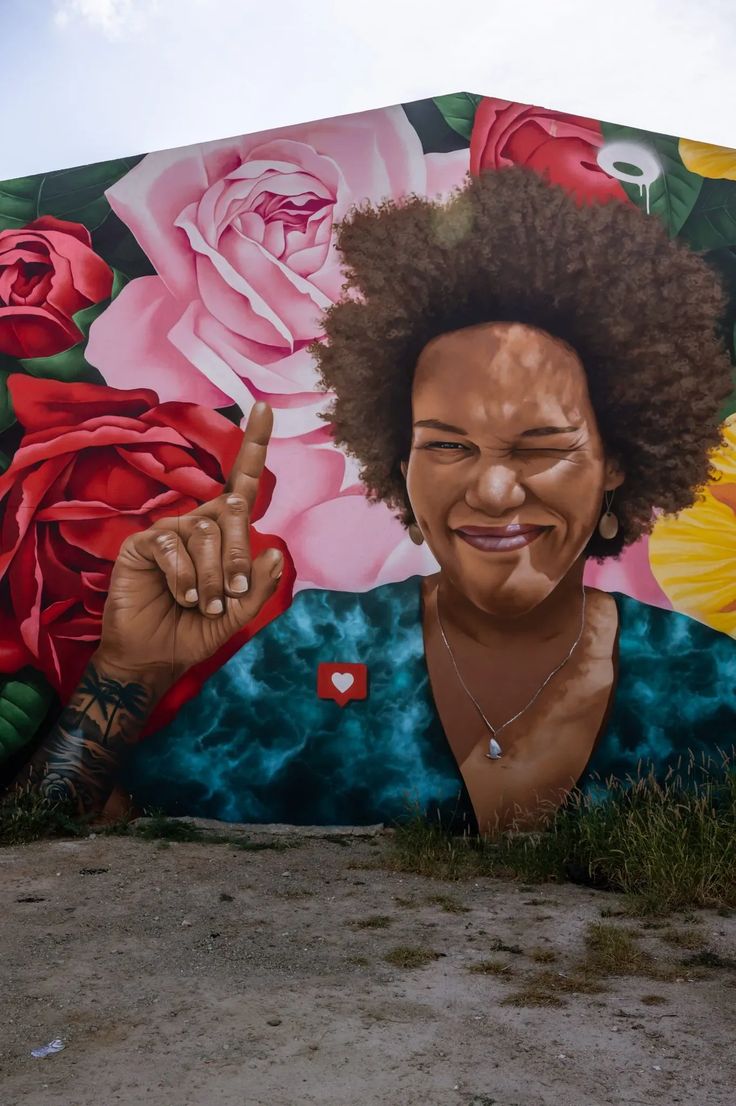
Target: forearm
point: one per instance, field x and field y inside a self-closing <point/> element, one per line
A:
<point x="80" y="759"/>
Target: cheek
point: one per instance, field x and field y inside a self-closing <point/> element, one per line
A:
<point x="574" y="489"/>
<point x="432" y="489"/>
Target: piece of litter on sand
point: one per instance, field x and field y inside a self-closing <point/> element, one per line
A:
<point x="48" y="1050"/>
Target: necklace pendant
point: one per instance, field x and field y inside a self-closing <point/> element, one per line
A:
<point x="494" y="750"/>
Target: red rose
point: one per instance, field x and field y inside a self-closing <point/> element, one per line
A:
<point x="562" y="148"/>
<point x="95" y="465"/>
<point x="48" y="271"/>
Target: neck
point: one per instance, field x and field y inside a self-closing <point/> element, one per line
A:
<point x="551" y="618"/>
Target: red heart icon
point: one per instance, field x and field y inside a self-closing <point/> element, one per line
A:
<point x="342" y="682"/>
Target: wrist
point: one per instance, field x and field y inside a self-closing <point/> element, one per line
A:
<point x="154" y="680"/>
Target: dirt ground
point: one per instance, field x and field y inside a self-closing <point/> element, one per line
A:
<point x="206" y="975"/>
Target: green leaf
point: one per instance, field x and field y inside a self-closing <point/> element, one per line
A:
<point x="435" y="135"/>
<point x="25" y="699"/>
<point x="674" y="194"/>
<point x="712" y="222"/>
<point x="115" y="242"/>
<point x="458" y="111"/>
<point x="7" y="415"/>
<point x="74" y="194"/>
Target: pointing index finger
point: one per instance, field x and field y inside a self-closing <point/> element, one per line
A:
<point x="251" y="459"/>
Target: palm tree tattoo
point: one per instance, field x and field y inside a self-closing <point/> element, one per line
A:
<point x="79" y="761"/>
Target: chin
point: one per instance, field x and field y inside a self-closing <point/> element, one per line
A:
<point x="511" y="605"/>
<point x="507" y="598"/>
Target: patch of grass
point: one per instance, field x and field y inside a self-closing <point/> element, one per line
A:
<point x="275" y="844"/>
<point x="683" y="938"/>
<point x="492" y="967"/>
<point x="706" y="958"/>
<point x="533" y="996"/>
<point x="551" y="988"/>
<point x="667" y="845"/>
<point x="449" y="904"/>
<point x="578" y="982"/>
<point x="162" y="828"/>
<point x="410" y="956"/>
<point x="614" y="950"/>
<point x="159" y="827"/>
<point x="26" y="816"/>
<point x="373" y="921"/>
<point x="653" y="1000"/>
<point x="406" y="903"/>
<point x="337" y="839"/>
<point x="498" y="945"/>
<point x="543" y="956"/>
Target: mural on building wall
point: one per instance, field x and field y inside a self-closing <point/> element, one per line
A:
<point x="370" y="465"/>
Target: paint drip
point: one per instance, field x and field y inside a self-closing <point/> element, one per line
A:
<point x="614" y="155"/>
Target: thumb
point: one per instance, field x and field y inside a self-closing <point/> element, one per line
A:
<point x="265" y="574"/>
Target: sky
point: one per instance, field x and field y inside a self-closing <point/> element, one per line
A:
<point x="86" y="80"/>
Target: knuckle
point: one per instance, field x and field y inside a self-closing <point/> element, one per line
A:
<point x="236" y="555"/>
<point x="209" y="577"/>
<point x="205" y="530"/>
<point x="166" y="541"/>
<point x="236" y="504"/>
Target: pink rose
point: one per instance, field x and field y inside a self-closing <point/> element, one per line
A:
<point x="241" y="235"/>
<point x="337" y="539"/>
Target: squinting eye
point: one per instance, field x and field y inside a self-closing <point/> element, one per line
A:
<point x="544" y="449"/>
<point x="444" y="445"/>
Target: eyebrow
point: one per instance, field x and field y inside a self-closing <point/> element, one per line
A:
<point x="534" y="432"/>
<point x="548" y="431"/>
<point x="436" y="424"/>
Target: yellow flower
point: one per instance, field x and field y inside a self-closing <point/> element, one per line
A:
<point x="693" y="554"/>
<point x="708" y="160"/>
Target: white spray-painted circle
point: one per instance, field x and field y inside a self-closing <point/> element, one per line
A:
<point x="611" y="156"/>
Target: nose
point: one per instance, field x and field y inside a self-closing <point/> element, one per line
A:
<point x="494" y="488"/>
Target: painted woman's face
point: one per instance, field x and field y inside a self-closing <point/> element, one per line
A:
<point x="507" y="471"/>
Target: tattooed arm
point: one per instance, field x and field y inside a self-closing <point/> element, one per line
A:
<point x="80" y="759"/>
<point x="178" y="592"/>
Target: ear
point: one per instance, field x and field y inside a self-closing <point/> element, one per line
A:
<point x="404" y="466"/>
<point x="614" y="475"/>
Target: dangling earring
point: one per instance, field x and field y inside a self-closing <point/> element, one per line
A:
<point x="608" y="525"/>
<point x="416" y="534"/>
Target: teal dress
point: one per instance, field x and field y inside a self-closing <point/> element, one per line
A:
<point x="258" y="744"/>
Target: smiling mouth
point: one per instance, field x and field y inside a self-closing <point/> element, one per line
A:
<point x="500" y="539"/>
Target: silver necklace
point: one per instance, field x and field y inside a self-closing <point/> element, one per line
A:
<point x="494" y="749"/>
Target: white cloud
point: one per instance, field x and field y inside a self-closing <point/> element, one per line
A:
<point x="114" y="18"/>
<point x="124" y="76"/>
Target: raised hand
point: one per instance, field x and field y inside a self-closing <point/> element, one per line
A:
<point x="182" y="588"/>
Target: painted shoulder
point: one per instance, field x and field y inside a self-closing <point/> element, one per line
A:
<point x="320" y="618"/>
<point x="675" y="693"/>
<point x="664" y="633"/>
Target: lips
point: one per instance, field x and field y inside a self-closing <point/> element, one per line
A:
<point x="500" y="539"/>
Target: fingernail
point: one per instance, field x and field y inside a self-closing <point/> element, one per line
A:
<point x="239" y="583"/>
<point x="192" y="595"/>
<point x="215" y="606"/>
